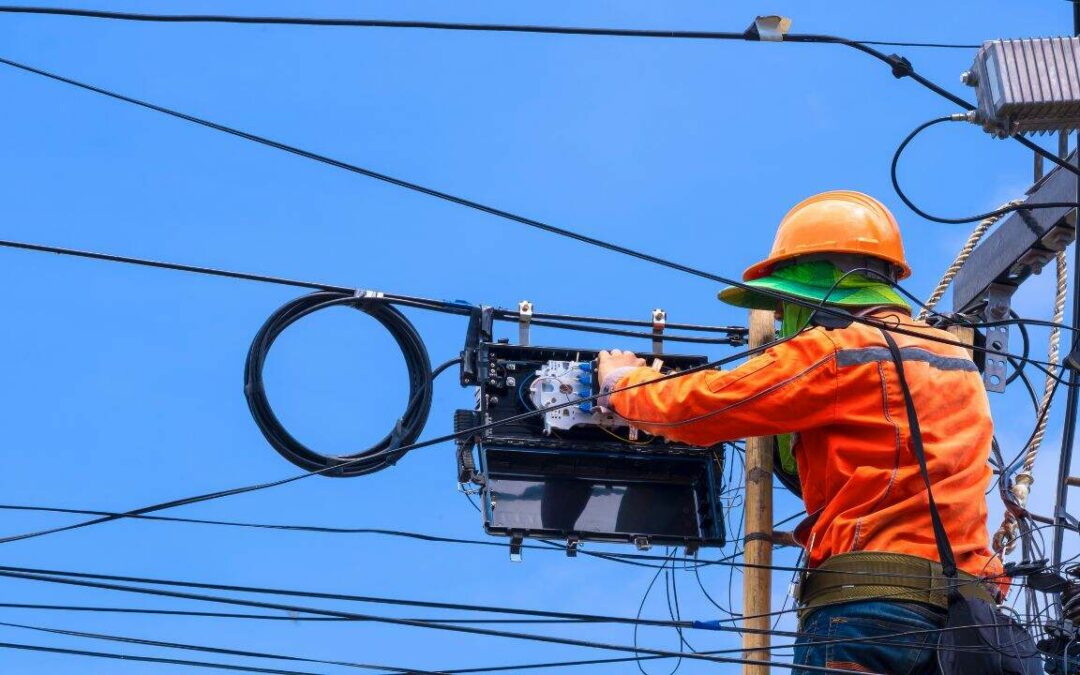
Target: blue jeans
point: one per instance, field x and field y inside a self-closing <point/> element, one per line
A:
<point x="907" y="629"/>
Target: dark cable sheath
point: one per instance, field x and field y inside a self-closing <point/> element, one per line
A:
<point x="399" y="622"/>
<point x="51" y="578"/>
<point x="956" y="221"/>
<point x="377" y="23"/>
<point x="455" y="308"/>
<point x="211" y="650"/>
<point x="150" y="659"/>
<point x="492" y="210"/>
<point x="557" y="320"/>
<point x="439" y="439"/>
<point x="258" y="617"/>
<point x="385" y="452"/>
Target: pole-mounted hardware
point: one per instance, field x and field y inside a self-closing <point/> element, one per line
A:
<point x="525" y="313"/>
<point x="1023" y="243"/>
<point x="771" y="28"/>
<point x="659" y="321"/>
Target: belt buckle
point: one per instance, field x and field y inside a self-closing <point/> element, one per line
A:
<point x="796" y="586"/>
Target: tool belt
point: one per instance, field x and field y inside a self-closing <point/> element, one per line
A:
<point x="870" y="575"/>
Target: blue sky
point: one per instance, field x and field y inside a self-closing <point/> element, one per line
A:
<point x="123" y="385"/>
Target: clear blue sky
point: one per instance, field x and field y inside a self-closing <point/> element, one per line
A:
<point x="123" y="385"/>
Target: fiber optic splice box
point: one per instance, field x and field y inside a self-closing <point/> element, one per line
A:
<point x="548" y="464"/>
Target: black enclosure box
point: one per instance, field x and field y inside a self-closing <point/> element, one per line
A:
<point x="584" y="483"/>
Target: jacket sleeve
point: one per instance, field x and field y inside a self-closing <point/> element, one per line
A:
<point x="790" y="387"/>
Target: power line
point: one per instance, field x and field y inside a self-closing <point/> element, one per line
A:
<point x="98" y="609"/>
<point x="447" y="437"/>
<point x="211" y="650"/>
<point x="150" y="659"/>
<point x="431" y="25"/>
<point x="508" y="315"/>
<point x="468" y="203"/>
<point x="402" y="622"/>
<point x="323" y="529"/>
<point x="707" y="656"/>
<point x="400" y="602"/>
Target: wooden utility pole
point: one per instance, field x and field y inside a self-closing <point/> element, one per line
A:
<point x="965" y="335"/>
<point x="757" y="581"/>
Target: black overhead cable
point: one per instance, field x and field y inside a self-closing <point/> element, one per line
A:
<point x="152" y="659"/>
<point x="966" y="219"/>
<point x="508" y="315"/>
<point x="663" y="262"/>
<point x="161" y="506"/>
<point x="708" y="656"/>
<point x="322" y="529"/>
<point x="403" y="602"/>
<point x="400" y="622"/>
<point x="560" y="321"/>
<point x="821" y="306"/>
<point x="223" y="651"/>
<point x="98" y="609"/>
<point x="435" y="25"/>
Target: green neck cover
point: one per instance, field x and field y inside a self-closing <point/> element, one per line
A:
<point x="824" y="282"/>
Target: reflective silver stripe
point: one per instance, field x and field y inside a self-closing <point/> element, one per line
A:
<point x="857" y="357"/>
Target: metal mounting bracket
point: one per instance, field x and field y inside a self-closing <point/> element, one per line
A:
<point x="525" y="312"/>
<point x="999" y="298"/>
<point x="771" y="28"/>
<point x="516" y="544"/>
<point x="572" y="544"/>
<point x="659" y="321"/>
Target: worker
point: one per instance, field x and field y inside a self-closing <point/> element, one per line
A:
<point x="828" y="388"/>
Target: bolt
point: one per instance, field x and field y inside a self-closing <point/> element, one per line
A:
<point x="510" y="381"/>
<point x="969" y="78"/>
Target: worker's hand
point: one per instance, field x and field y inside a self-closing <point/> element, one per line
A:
<point x="607" y="362"/>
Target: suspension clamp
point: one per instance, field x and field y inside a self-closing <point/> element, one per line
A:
<point x="525" y="313"/>
<point x="659" y="321"/>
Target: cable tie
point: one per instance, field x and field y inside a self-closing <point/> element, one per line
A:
<point x="901" y="67"/>
<point x="715" y="624"/>
<point x="757" y="536"/>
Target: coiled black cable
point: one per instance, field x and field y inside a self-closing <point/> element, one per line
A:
<point x="405" y="431"/>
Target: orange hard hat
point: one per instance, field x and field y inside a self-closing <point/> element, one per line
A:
<point x="839" y="221"/>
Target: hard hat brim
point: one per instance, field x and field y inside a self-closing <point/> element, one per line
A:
<point x="765" y="267"/>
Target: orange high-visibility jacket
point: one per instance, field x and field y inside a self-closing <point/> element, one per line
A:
<point x="838" y="390"/>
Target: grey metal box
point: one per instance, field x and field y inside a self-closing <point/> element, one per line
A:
<point x="1028" y="86"/>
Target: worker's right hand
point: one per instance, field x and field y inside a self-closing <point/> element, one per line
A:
<point x="608" y="362"/>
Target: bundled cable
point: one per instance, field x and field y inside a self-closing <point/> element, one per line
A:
<point x="408" y="427"/>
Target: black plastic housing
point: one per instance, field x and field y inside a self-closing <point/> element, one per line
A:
<point x="583" y="484"/>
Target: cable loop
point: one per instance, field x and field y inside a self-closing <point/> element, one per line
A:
<point x="406" y="430"/>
